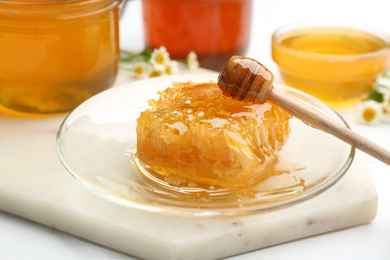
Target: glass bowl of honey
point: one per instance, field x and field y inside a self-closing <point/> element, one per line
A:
<point x="56" y="54"/>
<point x="335" y="63"/>
<point x="97" y="144"/>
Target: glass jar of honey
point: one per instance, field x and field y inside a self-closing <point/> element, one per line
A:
<point x="56" y="54"/>
<point x="214" y="29"/>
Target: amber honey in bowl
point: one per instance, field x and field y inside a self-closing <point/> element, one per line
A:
<point x="338" y="65"/>
<point x="56" y="54"/>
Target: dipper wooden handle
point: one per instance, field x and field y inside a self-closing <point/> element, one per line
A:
<point x="246" y="79"/>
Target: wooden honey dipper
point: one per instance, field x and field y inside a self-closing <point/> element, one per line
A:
<point x="246" y="79"/>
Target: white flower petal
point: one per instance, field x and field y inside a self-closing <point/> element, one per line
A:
<point x="142" y="70"/>
<point x="386" y="108"/>
<point x="160" y="59"/>
<point x="370" y="112"/>
<point x="192" y="61"/>
<point x="386" y="100"/>
<point x="386" y="116"/>
<point x="172" y="67"/>
<point x="384" y="82"/>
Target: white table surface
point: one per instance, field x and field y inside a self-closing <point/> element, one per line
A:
<point x="22" y="239"/>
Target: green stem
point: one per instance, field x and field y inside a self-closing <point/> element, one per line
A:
<point x="145" y="55"/>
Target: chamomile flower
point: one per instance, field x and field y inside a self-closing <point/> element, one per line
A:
<point x="386" y="99"/>
<point x="172" y="68"/>
<point x="386" y="108"/>
<point x="370" y="112"/>
<point x="154" y="63"/>
<point x="160" y="59"/>
<point x="142" y="70"/>
<point x="386" y="116"/>
<point x="383" y="82"/>
<point x="192" y="61"/>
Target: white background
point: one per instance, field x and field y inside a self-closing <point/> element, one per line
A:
<point x="22" y="239"/>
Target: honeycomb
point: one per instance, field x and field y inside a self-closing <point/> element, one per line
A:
<point x="194" y="133"/>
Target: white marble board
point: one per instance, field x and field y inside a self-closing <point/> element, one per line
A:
<point x="35" y="186"/>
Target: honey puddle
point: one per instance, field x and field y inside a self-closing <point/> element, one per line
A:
<point x="284" y="181"/>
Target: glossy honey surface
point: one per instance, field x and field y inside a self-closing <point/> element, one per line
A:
<point x="193" y="133"/>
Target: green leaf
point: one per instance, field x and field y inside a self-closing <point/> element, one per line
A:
<point x="125" y="56"/>
<point x="144" y="55"/>
<point x="146" y="52"/>
<point x="376" y="95"/>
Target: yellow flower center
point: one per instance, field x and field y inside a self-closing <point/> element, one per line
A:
<point x="138" y="70"/>
<point x="160" y="58"/>
<point x="369" y="114"/>
<point x="168" y="70"/>
<point x="155" y="74"/>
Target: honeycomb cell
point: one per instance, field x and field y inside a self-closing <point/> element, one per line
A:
<point x="194" y="133"/>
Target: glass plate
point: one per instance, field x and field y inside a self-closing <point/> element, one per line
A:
<point x="97" y="141"/>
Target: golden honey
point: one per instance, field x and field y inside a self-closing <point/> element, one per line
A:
<point x="337" y="65"/>
<point x="193" y="133"/>
<point x="56" y="54"/>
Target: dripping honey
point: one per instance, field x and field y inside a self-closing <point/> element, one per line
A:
<point x="336" y="65"/>
<point x="56" y="54"/>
